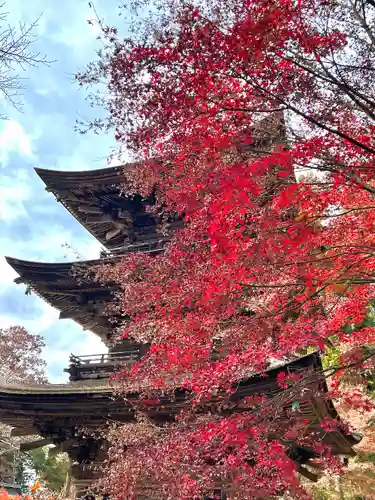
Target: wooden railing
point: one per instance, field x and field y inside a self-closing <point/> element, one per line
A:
<point x="151" y="246"/>
<point x="93" y="366"/>
<point x="116" y="357"/>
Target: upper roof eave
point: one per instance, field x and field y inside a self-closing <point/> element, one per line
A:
<point x="70" y="178"/>
<point x="100" y="192"/>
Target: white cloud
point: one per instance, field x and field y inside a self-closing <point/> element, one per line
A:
<point x="14" y="139"/>
<point x="7" y="274"/>
<point x="47" y="324"/>
<point x="66" y="25"/>
<point x="83" y="251"/>
<point x="96" y="345"/>
<point x="46" y="318"/>
<point x="50" y="243"/>
<point x="78" y="33"/>
<point x="15" y="190"/>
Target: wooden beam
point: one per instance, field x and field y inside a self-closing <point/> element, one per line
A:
<point x="24" y="431"/>
<point x="118" y="224"/>
<point x="97" y="320"/>
<point x="174" y="225"/>
<point x="74" y="289"/>
<point x="87" y="209"/>
<point x="113" y="233"/>
<point x="90" y="325"/>
<point x="70" y="197"/>
<point x="96" y="310"/>
<point x="70" y="314"/>
<point x="62" y="447"/>
<point x="315" y="465"/>
<point x="125" y="214"/>
<point x="54" y="290"/>
<point x="80" y="300"/>
<point x="306" y="473"/>
<point x="32" y="445"/>
<point x="99" y="219"/>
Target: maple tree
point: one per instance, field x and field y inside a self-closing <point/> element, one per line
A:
<point x="254" y="121"/>
<point x="20" y="356"/>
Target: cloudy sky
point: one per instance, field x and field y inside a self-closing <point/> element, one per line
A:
<point x="33" y="225"/>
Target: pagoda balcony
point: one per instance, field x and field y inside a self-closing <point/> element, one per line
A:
<point x="149" y="246"/>
<point x="95" y="366"/>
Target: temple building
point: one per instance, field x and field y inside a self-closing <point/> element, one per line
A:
<point x="57" y="412"/>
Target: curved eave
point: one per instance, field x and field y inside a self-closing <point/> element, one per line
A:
<point x="59" y="406"/>
<point x="30" y="404"/>
<point x="58" y="179"/>
<point x="96" y="199"/>
<point x="316" y="409"/>
<point x="59" y="268"/>
<point x="47" y="389"/>
<point x="56" y="284"/>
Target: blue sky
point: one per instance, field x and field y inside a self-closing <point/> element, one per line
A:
<point x="33" y="225"/>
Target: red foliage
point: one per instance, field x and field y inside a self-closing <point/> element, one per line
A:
<point x="209" y="456"/>
<point x="238" y="101"/>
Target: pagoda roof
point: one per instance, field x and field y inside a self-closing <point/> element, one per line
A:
<point x="90" y="178"/>
<point x="51" y="408"/>
<point x="69" y="289"/>
<point x="97" y="199"/>
<point x="48" y="408"/>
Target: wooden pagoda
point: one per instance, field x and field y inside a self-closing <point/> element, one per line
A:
<point x="57" y="413"/>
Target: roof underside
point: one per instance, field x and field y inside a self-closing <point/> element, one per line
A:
<point x="67" y="287"/>
<point x="97" y="200"/>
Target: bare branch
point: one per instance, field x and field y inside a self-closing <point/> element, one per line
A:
<point x="16" y="55"/>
